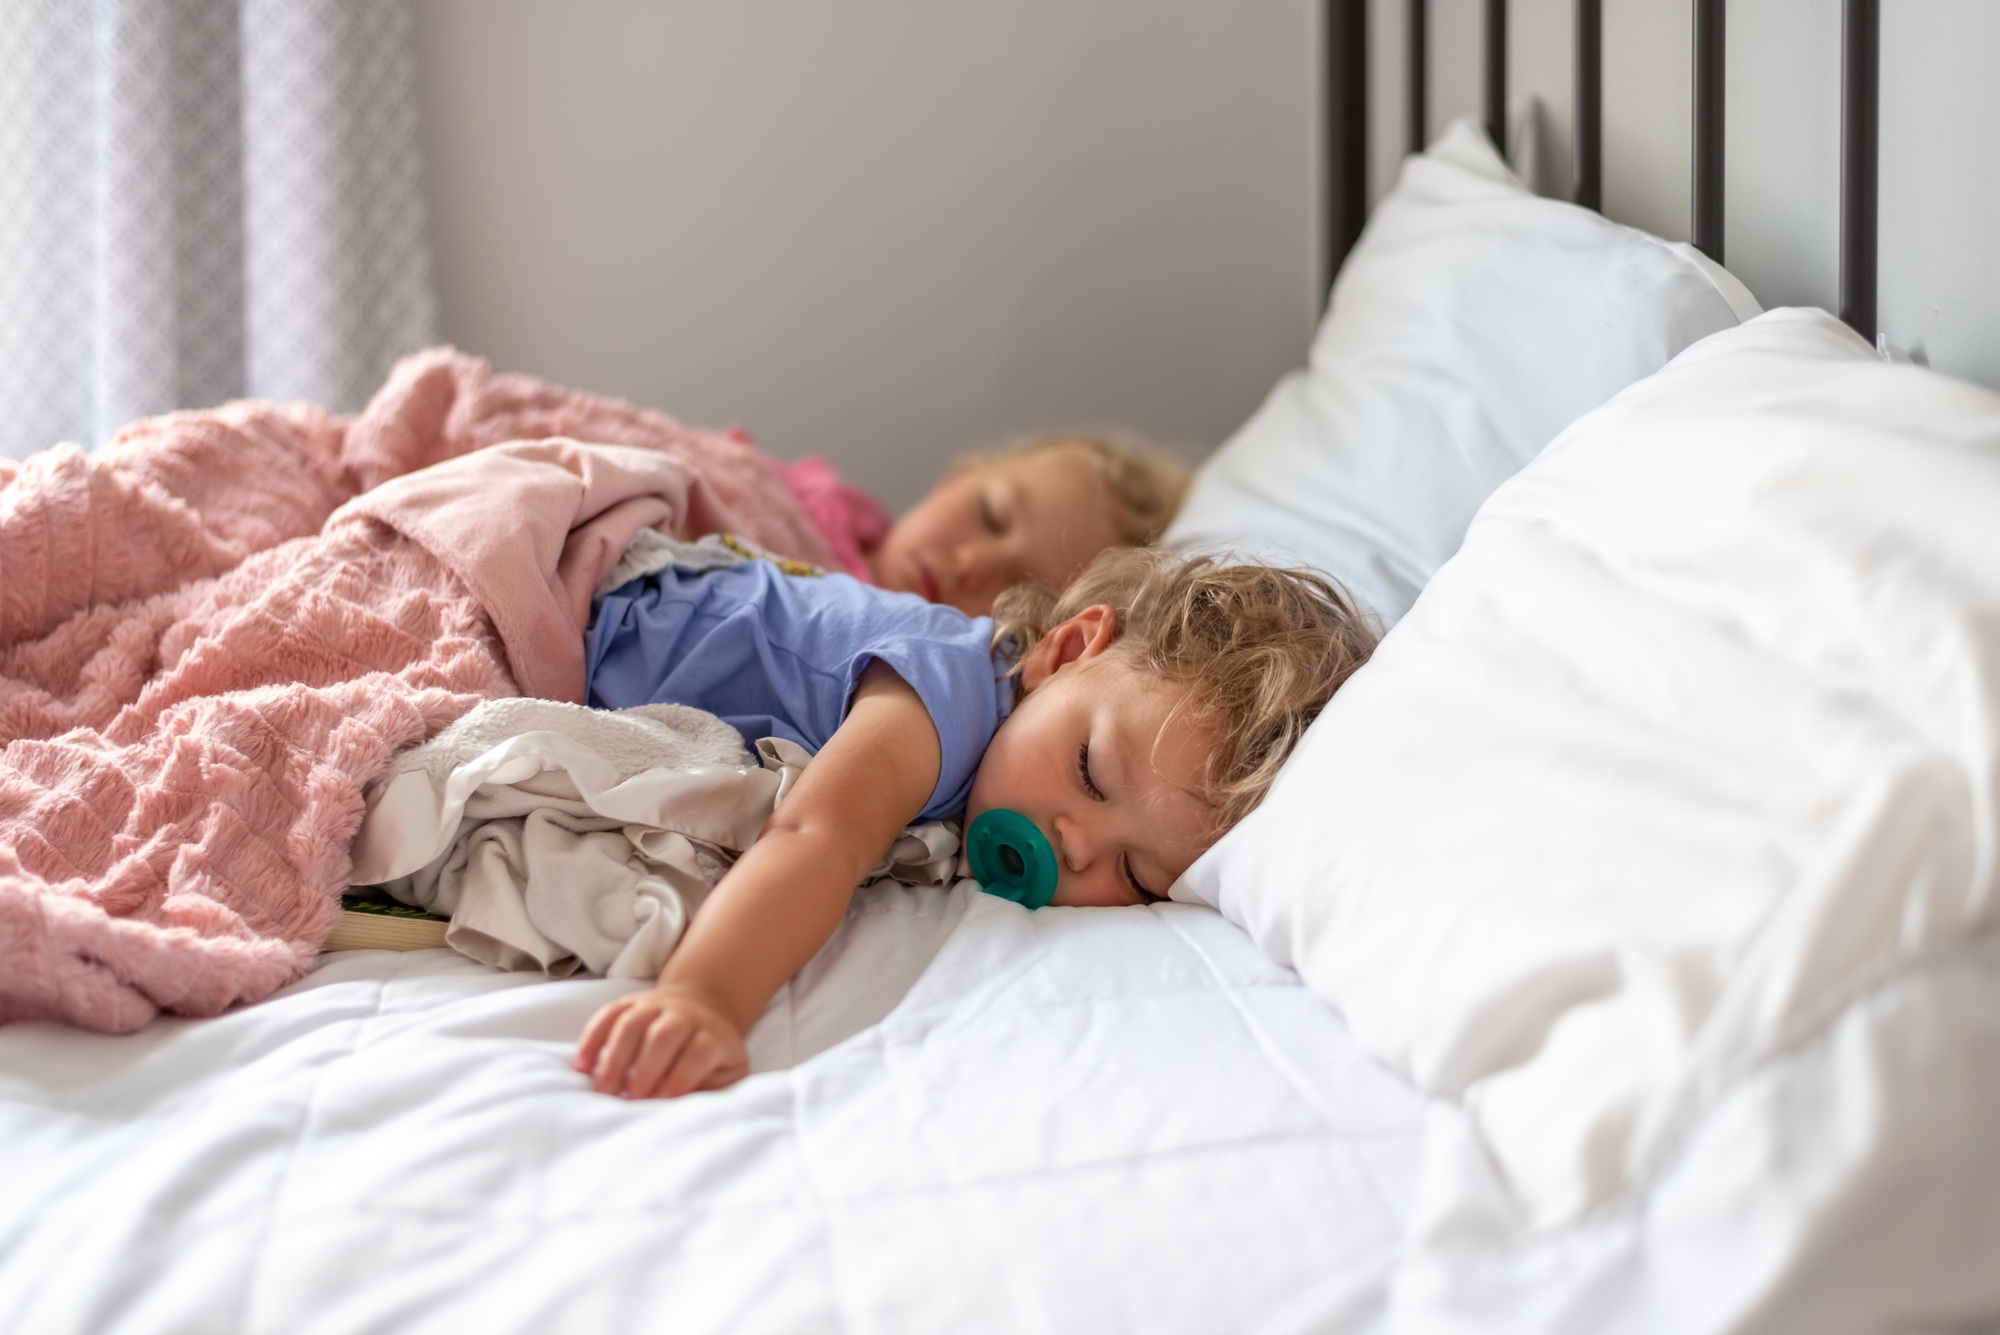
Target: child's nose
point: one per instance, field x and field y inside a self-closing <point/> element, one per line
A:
<point x="970" y="565"/>
<point x="1075" y="843"/>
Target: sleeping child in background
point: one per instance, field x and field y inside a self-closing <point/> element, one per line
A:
<point x="1124" y="724"/>
<point x="1035" y="512"/>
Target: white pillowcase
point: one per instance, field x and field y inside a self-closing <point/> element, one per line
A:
<point x="1472" y="322"/>
<point x="1674" y="804"/>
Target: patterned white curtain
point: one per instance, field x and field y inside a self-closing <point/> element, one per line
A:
<point x="203" y="199"/>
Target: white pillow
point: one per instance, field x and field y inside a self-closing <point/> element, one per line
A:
<point x="1472" y="322"/>
<point x="1674" y="805"/>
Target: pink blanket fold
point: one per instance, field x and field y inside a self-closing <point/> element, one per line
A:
<point x="204" y="656"/>
<point x="531" y="527"/>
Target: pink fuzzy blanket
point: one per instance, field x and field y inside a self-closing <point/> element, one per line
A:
<point x="215" y="631"/>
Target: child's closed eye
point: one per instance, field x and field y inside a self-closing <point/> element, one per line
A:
<point x="1125" y="872"/>
<point x="1145" y="896"/>
<point x="1083" y="773"/>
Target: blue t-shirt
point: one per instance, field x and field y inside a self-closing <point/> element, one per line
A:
<point x="777" y="655"/>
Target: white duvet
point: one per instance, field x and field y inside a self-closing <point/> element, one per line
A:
<point x="1077" y="1120"/>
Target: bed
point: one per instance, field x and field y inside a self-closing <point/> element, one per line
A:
<point x="1616" y="955"/>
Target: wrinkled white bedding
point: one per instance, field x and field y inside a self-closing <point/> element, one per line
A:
<point x="1076" y="1120"/>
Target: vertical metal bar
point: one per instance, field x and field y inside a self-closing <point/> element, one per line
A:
<point x="1860" y="159"/>
<point x="1346" y="79"/>
<point x="1709" y="46"/>
<point x="1417" y="63"/>
<point x="1496" y="73"/>
<point x="1588" y="53"/>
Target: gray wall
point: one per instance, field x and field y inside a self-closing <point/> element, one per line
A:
<point x="888" y="231"/>
<point x="892" y="230"/>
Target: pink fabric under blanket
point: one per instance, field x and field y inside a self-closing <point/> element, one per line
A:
<point x="206" y="651"/>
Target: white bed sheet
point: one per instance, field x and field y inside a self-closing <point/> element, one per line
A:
<point x="1076" y="1120"/>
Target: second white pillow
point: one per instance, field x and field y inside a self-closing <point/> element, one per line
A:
<point x="1473" y="321"/>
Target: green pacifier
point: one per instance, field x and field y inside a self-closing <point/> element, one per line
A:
<point x="1010" y="858"/>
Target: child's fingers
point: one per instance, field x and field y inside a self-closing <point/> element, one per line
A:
<point x="695" y="1061"/>
<point x="666" y="1039"/>
<point x="627" y="1036"/>
<point x="594" y="1034"/>
<point x="650" y="1045"/>
<point x="706" y="1063"/>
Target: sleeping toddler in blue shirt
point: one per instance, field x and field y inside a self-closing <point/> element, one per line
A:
<point x="1131" y="719"/>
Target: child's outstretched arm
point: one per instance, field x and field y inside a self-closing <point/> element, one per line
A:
<point x="776" y="906"/>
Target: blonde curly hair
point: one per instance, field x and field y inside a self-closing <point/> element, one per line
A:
<point x="1261" y="649"/>
<point x="1144" y="483"/>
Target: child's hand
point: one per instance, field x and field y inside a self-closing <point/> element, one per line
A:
<point x="661" y="1043"/>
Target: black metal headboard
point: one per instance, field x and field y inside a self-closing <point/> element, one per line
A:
<point x="1860" y="84"/>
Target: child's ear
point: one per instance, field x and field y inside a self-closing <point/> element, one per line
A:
<point x="1085" y="635"/>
